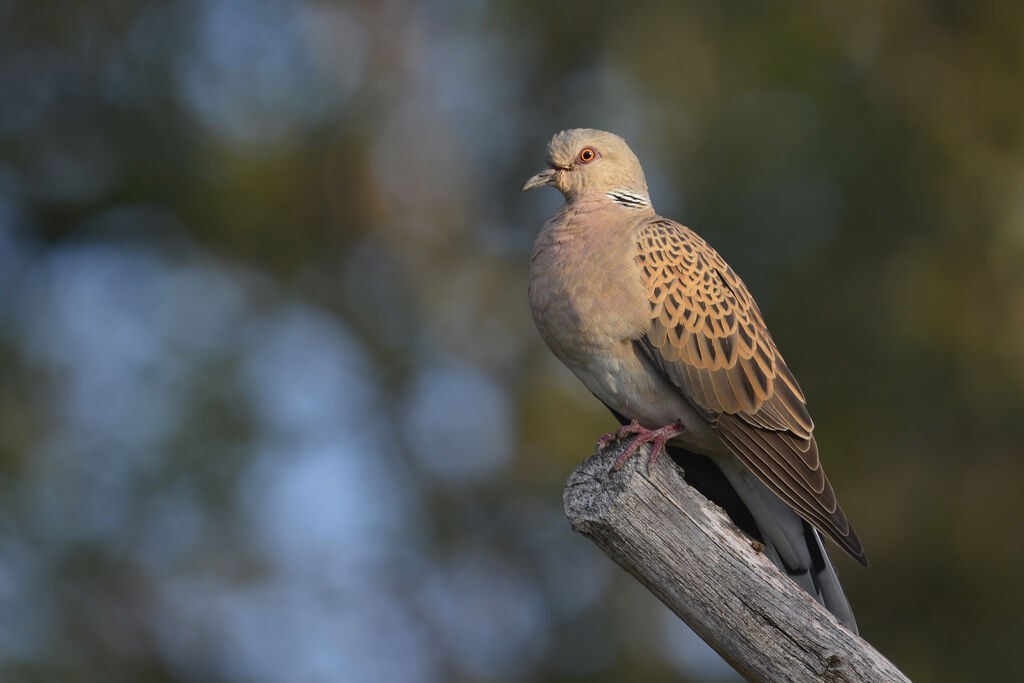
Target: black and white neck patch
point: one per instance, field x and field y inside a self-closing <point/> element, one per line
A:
<point x="629" y="199"/>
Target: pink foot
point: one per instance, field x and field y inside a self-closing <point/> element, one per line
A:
<point x="643" y="435"/>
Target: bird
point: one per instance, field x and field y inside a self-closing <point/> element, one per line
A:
<point x="660" y="329"/>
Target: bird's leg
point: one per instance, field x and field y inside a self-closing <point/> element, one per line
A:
<point x="643" y="435"/>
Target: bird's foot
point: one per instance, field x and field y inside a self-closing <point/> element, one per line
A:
<point x="643" y="435"/>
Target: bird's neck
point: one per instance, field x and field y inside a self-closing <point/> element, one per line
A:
<point x="591" y="215"/>
<point x="615" y="199"/>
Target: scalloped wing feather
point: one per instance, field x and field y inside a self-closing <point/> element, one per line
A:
<point x="713" y="344"/>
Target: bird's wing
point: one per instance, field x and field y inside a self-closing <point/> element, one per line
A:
<point x="708" y="338"/>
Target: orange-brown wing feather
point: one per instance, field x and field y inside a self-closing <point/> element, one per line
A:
<point x="714" y="346"/>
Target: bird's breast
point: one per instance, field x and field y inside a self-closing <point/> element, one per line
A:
<point x="586" y="293"/>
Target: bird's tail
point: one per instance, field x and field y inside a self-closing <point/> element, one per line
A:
<point x="792" y="544"/>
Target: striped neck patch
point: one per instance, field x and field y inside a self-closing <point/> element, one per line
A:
<point x="629" y="199"/>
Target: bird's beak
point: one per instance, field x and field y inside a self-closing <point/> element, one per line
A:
<point x="546" y="177"/>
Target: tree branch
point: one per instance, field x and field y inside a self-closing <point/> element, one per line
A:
<point x="696" y="561"/>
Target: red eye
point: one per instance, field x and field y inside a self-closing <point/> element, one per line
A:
<point x="587" y="154"/>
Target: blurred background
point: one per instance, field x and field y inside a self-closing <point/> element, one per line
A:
<point x="272" y="406"/>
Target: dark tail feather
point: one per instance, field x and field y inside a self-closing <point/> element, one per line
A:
<point x="826" y="581"/>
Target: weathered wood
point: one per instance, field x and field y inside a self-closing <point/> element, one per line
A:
<point x="696" y="561"/>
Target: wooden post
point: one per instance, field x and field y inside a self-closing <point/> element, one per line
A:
<point x="694" y="559"/>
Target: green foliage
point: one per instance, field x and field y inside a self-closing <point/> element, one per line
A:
<point x="253" y="252"/>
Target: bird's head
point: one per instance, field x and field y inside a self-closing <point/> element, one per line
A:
<point x="584" y="161"/>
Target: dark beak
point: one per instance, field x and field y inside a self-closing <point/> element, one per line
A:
<point x="546" y="177"/>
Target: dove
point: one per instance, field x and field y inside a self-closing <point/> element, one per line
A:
<point x="660" y="329"/>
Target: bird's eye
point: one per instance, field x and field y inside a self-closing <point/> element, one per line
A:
<point x="587" y="154"/>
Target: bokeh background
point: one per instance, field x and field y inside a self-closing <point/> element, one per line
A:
<point x="272" y="407"/>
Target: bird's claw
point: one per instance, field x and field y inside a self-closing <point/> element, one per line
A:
<point x="603" y="442"/>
